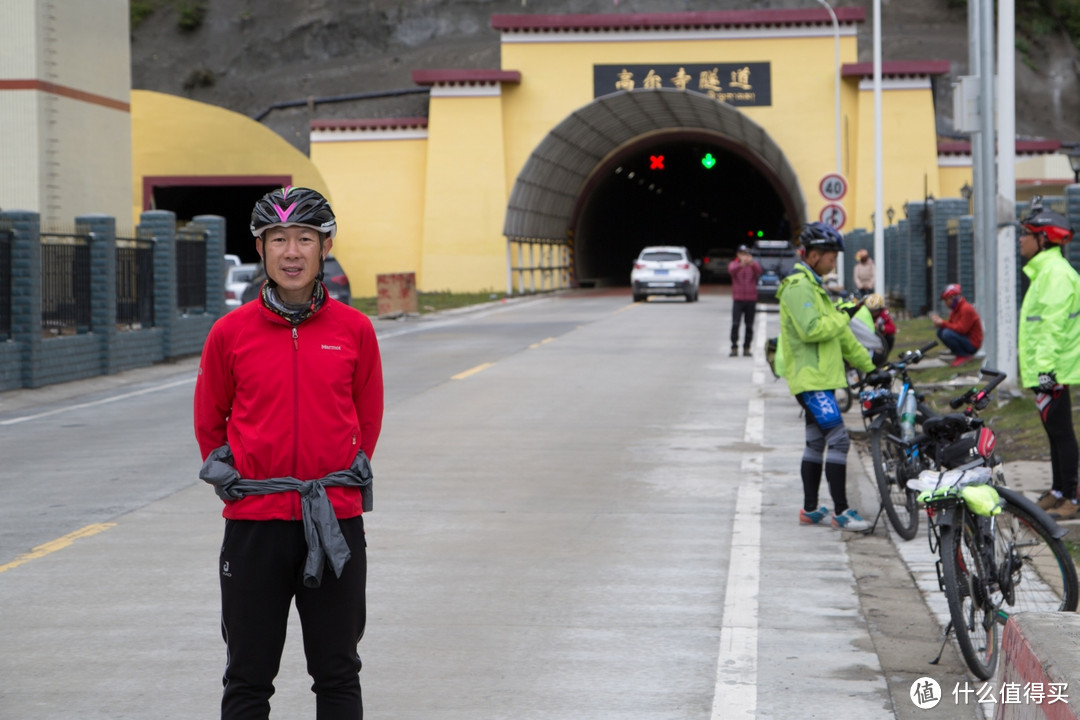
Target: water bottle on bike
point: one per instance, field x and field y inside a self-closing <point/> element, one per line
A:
<point x="907" y="416"/>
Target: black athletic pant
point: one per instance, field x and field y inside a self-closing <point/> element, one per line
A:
<point x="742" y="310"/>
<point x="261" y="570"/>
<point x="1056" y="415"/>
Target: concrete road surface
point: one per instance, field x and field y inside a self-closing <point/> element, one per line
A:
<point x="583" y="509"/>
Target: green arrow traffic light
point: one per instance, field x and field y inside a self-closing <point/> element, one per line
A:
<point x="708" y="161"/>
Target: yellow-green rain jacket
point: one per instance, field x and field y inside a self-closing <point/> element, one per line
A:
<point x="815" y="339"/>
<point x="1049" y="337"/>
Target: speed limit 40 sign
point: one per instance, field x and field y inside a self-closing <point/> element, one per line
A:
<point x="833" y="214"/>
<point x="833" y="187"/>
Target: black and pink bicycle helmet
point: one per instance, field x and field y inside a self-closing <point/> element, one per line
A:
<point x="289" y="206"/>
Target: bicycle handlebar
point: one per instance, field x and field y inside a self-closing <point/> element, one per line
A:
<point x="914" y="356"/>
<point x="980" y="398"/>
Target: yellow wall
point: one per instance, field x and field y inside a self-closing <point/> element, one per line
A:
<point x="951" y="179"/>
<point x="435" y="205"/>
<point x="175" y="136"/>
<point x="466" y="195"/>
<point x="378" y="186"/>
<point x="909" y="153"/>
<point x="557" y="78"/>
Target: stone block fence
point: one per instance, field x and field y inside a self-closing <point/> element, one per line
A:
<point x="180" y="291"/>
<point x="933" y="244"/>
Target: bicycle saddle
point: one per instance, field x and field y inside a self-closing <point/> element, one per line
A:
<point x="947" y="426"/>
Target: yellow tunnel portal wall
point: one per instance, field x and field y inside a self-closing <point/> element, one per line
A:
<point x="378" y="181"/>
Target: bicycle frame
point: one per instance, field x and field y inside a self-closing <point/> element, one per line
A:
<point x="912" y="448"/>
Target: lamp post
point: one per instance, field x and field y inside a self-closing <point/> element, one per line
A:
<point x="890" y="214"/>
<point x="1074" y="162"/>
<point x="836" y="62"/>
<point x="966" y="191"/>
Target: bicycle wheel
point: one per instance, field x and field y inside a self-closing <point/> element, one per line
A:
<point x="900" y="503"/>
<point x="1034" y="569"/>
<point x="967" y="581"/>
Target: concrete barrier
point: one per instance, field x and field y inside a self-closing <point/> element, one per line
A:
<point x="1040" y="668"/>
<point x="396" y="294"/>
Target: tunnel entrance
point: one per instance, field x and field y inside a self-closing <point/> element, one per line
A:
<point x="680" y="188"/>
<point x="645" y="167"/>
<point x="230" y="197"/>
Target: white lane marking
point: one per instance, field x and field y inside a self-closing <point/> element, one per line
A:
<point x="94" y="403"/>
<point x="735" y="692"/>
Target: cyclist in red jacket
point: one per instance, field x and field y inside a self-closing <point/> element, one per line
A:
<point x="288" y="408"/>
<point x="962" y="333"/>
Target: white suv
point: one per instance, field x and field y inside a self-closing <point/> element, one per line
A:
<point x="665" y="270"/>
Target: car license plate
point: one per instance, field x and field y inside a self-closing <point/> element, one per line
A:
<point x="661" y="272"/>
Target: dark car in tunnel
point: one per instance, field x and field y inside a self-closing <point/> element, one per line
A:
<point x="777" y="259"/>
<point x="714" y="266"/>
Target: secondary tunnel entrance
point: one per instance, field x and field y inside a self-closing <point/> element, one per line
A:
<point x="650" y="167"/>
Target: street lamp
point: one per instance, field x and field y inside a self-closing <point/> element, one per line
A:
<point x="836" y="62"/>
<point x="966" y="191"/>
<point x="1074" y="162"/>
<point x="890" y="214"/>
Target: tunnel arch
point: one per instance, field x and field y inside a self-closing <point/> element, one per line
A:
<point x="552" y="190"/>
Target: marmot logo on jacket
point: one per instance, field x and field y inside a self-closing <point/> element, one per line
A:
<point x="331" y="347"/>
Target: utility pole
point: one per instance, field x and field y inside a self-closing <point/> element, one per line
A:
<point x="986" y="240"/>
<point x="1005" y="352"/>
<point x="879" y="216"/>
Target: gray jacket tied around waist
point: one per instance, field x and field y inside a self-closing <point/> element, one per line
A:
<point x="321" y="530"/>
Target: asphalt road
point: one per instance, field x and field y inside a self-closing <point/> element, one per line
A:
<point x="583" y="509"/>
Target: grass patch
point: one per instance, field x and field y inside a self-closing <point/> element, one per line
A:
<point x="1073" y="547"/>
<point x="140" y="10"/>
<point x="1020" y="435"/>
<point x="191" y="14"/>
<point x="430" y="302"/>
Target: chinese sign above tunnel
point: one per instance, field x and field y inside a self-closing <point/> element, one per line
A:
<point x="731" y="83"/>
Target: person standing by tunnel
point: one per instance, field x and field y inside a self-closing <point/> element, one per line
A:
<point x="815" y="340"/>
<point x="744" y="272"/>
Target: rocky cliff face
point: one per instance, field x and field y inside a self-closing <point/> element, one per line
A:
<point x="246" y="55"/>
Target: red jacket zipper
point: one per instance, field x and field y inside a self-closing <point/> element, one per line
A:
<point x="296" y="404"/>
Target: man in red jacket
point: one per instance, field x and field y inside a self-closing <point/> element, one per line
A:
<point x="289" y="402"/>
<point x="962" y="333"/>
<point x="744" y="271"/>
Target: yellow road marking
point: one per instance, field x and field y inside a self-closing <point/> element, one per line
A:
<point x="58" y="544"/>
<point x="545" y="341"/>
<point x="471" y="371"/>
<point x="624" y="308"/>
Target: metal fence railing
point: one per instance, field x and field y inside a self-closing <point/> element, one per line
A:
<point x="191" y="269"/>
<point x="134" y="283"/>
<point x="6" y="241"/>
<point x="65" y="284"/>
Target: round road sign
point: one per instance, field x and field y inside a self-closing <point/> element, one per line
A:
<point x="833" y="187"/>
<point x="834" y="214"/>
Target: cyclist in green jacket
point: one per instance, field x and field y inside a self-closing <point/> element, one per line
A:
<point x="814" y="341"/>
<point x="1050" y="346"/>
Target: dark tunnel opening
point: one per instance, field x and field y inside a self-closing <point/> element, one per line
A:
<point x="232" y="202"/>
<point x="685" y="191"/>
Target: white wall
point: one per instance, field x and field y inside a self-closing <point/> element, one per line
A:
<point x="65" y="120"/>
